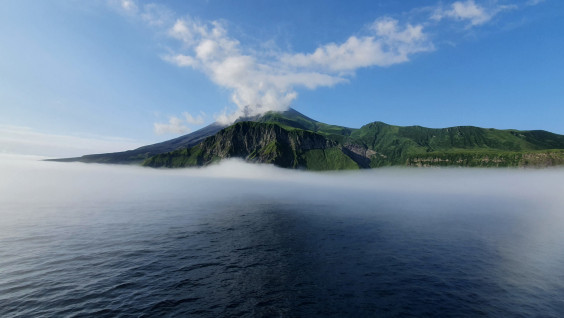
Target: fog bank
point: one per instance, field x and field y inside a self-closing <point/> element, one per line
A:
<point x="40" y="195"/>
<point x="27" y="179"/>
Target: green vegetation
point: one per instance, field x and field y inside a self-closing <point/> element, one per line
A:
<point x="328" y="159"/>
<point x="181" y="158"/>
<point x="265" y="142"/>
<point x="537" y="158"/>
<point x="292" y="140"/>
<point x="459" y="146"/>
<point x="326" y="147"/>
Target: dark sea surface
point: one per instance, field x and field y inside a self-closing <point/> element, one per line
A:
<point x="88" y="240"/>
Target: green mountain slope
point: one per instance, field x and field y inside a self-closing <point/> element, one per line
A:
<point x="292" y="140"/>
<point x="396" y="145"/>
<point x="264" y="142"/>
<point x="137" y="156"/>
<point x="294" y="119"/>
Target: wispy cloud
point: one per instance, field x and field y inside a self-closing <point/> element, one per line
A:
<point x="194" y="120"/>
<point x="156" y="14"/>
<point x="179" y="125"/>
<point x="128" y="7"/>
<point x="471" y="12"/>
<point x="27" y="141"/>
<point x="388" y="43"/>
<point x="175" y="125"/>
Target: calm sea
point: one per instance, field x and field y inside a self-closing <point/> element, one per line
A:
<point x="239" y="240"/>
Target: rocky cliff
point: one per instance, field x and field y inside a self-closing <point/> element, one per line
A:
<point x="291" y="140"/>
<point x="263" y="143"/>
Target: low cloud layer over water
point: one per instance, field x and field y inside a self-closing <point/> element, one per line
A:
<point x="256" y="240"/>
<point x="28" y="179"/>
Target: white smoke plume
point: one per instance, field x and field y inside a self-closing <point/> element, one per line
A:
<point x="257" y="85"/>
<point x="263" y="84"/>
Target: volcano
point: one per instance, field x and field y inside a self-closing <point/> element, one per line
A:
<point x="290" y="139"/>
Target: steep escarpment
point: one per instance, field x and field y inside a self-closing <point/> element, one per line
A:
<point x="299" y="142"/>
<point x="262" y="143"/>
<point x="292" y="140"/>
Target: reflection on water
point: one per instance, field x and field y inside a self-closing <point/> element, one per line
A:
<point x="239" y="240"/>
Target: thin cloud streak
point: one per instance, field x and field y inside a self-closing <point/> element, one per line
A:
<point x="179" y="125"/>
<point x="194" y="120"/>
<point x="470" y="12"/>
<point x="26" y="141"/>
<point x="175" y="125"/>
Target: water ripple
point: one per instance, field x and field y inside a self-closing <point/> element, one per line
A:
<point x="284" y="260"/>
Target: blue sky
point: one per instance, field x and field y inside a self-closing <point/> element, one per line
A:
<point x="93" y="76"/>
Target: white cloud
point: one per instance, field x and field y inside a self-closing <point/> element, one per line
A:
<point x="261" y="82"/>
<point x="129" y="5"/>
<point x="260" y="85"/>
<point x="194" y="120"/>
<point x="181" y="60"/>
<point x="179" y="125"/>
<point x="175" y="125"/>
<point x="257" y="85"/>
<point x="156" y="15"/>
<point x="471" y="12"/>
<point x="387" y="45"/>
<point x="223" y="117"/>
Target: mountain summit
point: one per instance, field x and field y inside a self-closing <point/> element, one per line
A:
<point x="292" y="140"/>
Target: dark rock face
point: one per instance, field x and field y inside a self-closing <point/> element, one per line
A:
<point x="361" y="155"/>
<point x="290" y="117"/>
<point x="263" y="142"/>
<point x="291" y="140"/>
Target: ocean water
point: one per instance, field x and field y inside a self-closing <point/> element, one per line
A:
<point x="239" y="240"/>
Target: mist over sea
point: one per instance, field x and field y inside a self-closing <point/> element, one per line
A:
<point x="246" y="240"/>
